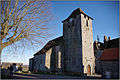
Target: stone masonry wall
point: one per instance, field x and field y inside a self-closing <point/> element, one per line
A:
<point x="72" y="46"/>
<point x="31" y="64"/>
<point x="113" y="68"/>
<point x="48" y="58"/>
<point x="55" y="63"/>
<point x="97" y="54"/>
<point x="39" y="62"/>
<point x="87" y="43"/>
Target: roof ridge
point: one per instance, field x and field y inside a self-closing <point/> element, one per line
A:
<point x="49" y="45"/>
<point x="75" y="12"/>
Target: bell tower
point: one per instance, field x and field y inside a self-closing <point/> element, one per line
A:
<point x="78" y="43"/>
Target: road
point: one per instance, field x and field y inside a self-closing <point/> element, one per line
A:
<point x="37" y="76"/>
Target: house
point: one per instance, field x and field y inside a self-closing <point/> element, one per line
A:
<point x="73" y="52"/>
<point x="110" y="63"/>
<point x="99" y="47"/>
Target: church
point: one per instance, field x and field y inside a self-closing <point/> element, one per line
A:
<point x="71" y="53"/>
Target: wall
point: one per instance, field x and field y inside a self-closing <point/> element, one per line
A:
<point x="55" y="65"/>
<point x="48" y="58"/>
<point x="112" y="67"/>
<point x="31" y="64"/>
<point x="87" y="44"/>
<point x="39" y="62"/>
<point x="72" y="46"/>
<point x="97" y="54"/>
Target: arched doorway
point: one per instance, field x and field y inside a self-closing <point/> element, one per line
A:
<point x="88" y="70"/>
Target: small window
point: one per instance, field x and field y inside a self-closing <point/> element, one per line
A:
<point x="87" y="23"/>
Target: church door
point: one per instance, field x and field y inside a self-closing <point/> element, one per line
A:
<point x="88" y="70"/>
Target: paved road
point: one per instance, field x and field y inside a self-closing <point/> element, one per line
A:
<point x="36" y="76"/>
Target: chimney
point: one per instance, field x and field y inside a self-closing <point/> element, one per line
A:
<point x="95" y="42"/>
<point x="105" y="39"/>
<point x="108" y="38"/>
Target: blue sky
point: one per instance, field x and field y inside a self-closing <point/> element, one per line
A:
<point x="105" y="16"/>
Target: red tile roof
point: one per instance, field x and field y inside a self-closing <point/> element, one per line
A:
<point x="110" y="54"/>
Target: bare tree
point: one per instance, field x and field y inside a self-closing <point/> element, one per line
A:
<point x="22" y="21"/>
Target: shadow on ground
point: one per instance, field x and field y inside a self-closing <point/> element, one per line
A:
<point x="37" y="76"/>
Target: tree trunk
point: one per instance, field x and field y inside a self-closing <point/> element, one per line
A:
<point x="0" y="47"/>
<point x="0" y="58"/>
<point x="0" y="50"/>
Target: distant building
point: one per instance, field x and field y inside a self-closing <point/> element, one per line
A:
<point x="71" y="53"/>
<point x="6" y="65"/>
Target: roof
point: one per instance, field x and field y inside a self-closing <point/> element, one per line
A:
<point x="114" y="43"/>
<point x="76" y="12"/>
<point x="49" y="45"/>
<point x="31" y="58"/>
<point x="110" y="54"/>
<point x="98" y="45"/>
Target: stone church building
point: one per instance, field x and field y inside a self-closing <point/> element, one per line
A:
<point x="71" y="53"/>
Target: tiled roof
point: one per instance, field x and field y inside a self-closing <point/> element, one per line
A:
<point x="76" y="12"/>
<point x="110" y="54"/>
<point x="49" y="45"/>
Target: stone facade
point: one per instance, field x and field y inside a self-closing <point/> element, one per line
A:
<point x="55" y="59"/>
<point x="112" y="67"/>
<point x="110" y="63"/>
<point x="39" y="62"/>
<point x="75" y="53"/>
<point x="87" y="43"/>
<point x="72" y="48"/>
<point x="97" y="54"/>
<point x="99" y="48"/>
<point x="42" y="61"/>
<point x="48" y="58"/>
<point x="78" y="41"/>
<point x="31" y="64"/>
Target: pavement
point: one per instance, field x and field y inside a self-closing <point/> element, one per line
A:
<point x="39" y="76"/>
